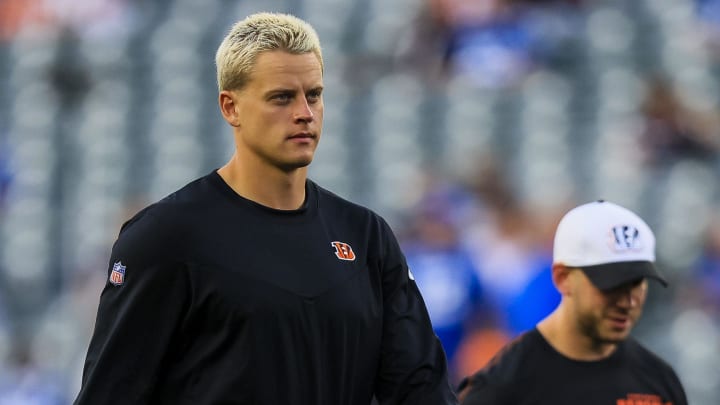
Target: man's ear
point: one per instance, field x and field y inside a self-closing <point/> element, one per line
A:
<point x="228" y="107"/>
<point x="561" y="278"/>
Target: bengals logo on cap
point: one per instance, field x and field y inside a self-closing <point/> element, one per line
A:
<point x="625" y="238"/>
<point x="343" y="251"/>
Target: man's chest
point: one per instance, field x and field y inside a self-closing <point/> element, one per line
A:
<point x="622" y="386"/>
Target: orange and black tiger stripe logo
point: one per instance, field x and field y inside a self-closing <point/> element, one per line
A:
<point x="343" y="251"/>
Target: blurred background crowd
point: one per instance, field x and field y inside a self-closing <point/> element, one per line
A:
<point x="471" y="125"/>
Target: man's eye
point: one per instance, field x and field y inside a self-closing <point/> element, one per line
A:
<point x="281" y="97"/>
<point x="314" y="96"/>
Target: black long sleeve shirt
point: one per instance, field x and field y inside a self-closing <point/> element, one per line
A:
<point x="214" y="299"/>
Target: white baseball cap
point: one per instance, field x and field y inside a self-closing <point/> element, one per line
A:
<point x="609" y="243"/>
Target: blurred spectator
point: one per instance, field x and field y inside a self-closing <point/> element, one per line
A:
<point x="24" y="382"/>
<point x="478" y="348"/>
<point x="707" y="271"/>
<point x="91" y="18"/>
<point x="5" y="174"/>
<point x="708" y="15"/>
<point x="422" y="48"/>
<point x="487" y="40"/>
<point x="708" y="11"/>
<point x="509" y="254"/>
<point x="694" y="334"/>
<point x="15" y="14"/>
<point x="533" y="303"/>
<point x="672" y="130"/>
<point x="69" y="74"/>
<point x="494" y="43"/>
<point x="442" y="268"/>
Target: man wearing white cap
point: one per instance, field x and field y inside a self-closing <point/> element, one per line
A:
<point x="582" y="353"/>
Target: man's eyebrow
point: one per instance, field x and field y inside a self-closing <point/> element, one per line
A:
<point x="290" y="91"/>
<point x="281" y="90"/>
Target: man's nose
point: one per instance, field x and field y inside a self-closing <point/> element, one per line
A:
<point x="628" y="298"/>
<point x="303" y="112"/>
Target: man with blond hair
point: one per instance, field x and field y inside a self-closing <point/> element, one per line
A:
<point x="254" y="285"/>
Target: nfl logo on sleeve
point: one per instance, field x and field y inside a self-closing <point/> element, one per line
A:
<point x="117" y="275"/>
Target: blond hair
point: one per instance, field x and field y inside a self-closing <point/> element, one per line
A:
<point x="236" y="55"/>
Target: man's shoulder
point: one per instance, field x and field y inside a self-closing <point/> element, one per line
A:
<point x="195" y="192"/>
<point x="330" y="197"/>
<point x="168" y="213"/>
<point x="334" y="204"/>
<point x="644" y="357"/>
<point x="508" y="363"/>
<point x="499" y="379"/>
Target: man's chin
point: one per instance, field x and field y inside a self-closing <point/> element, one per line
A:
<point x="295" y="165"/>
<point x="615" y="337"/>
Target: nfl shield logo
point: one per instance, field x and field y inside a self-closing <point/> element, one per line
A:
<point x="117" y="275"/>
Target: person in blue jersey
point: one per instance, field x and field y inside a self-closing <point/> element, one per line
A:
<point x="582" y="353"/>
<point x="253" y="284"/>
<point x="443" y="269"/>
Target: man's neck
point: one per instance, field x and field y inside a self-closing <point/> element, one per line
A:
<point x="266" y="185"/>
<point x="565" y="337"/>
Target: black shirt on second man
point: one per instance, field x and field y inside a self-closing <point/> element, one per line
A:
<point x="529" y="371"/>
<point x="260" y="306"/>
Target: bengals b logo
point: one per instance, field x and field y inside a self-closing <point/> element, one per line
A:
<point x="343" y="251"/>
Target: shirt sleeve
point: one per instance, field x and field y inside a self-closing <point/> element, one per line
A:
<point x="140" y="310"/>
<point x="413" y="367"/>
